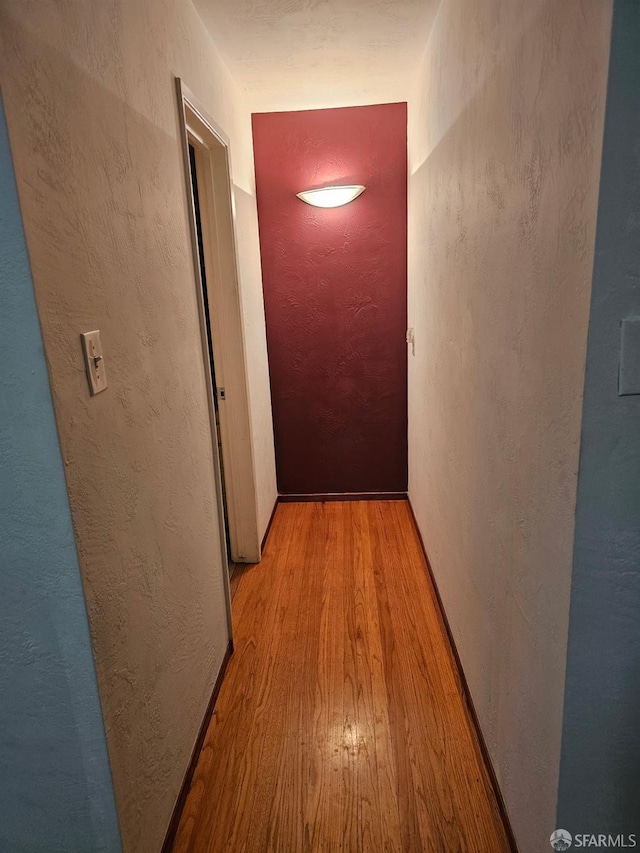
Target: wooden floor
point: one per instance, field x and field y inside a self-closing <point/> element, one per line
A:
<point x="340" y="724"/>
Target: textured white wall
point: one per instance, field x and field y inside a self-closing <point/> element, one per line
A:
<point x="505" y="130"/>
<point x="256" y="349"/>
<point x="307" y="54"/>
<point x="92" y="115"/>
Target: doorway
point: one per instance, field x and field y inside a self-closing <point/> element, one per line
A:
<point x="209" y="195"/>
<point x="218" y="392"/>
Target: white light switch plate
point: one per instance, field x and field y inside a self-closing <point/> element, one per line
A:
<point x="94" y="361"/>
<point x="411" y="339"/>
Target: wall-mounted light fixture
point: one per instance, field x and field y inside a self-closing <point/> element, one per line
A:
<point x="331" y="196"/>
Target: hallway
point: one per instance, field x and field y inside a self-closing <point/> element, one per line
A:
<point x="340" y="723"/>
<point x="458" y="343"/>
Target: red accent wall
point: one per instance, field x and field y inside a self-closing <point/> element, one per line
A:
<point x="335" y="290"/>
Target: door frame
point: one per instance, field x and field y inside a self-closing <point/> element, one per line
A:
<point x="217" y="213"/>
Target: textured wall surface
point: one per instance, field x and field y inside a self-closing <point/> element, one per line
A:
<point x="256" y="353"/>
<point x="303" y="54"/>
<point x="335" y="296"/>
<point x="55" y="784"/>
<point x="505" y="136"/>
<point x="600" y="766"/>
<point x="92" y="115"/>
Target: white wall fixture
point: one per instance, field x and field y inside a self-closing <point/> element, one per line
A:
<point x="331" y="196"/>
<point x="411" y="339"/>
<point x="94" y="361"/>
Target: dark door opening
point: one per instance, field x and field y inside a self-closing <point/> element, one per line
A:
<point x="217" y="392"/>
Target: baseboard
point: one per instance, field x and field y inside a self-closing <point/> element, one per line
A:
<point x="468" y="698"/>
<point x="268" y="530"/>
<point x="345" y="496"/>
<point x="172" y="829"/>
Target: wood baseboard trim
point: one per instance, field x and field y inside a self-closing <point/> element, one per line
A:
<point x="268" y="530"/>
<point x="172" y="829"/>
<point x="464" y="686"/>
<point x="344" y="496"/>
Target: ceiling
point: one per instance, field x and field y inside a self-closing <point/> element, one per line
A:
<point x="304" y="54"/>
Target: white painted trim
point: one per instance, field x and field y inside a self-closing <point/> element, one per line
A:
<point x="227" y="328"/>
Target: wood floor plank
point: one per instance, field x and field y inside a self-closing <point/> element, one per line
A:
<point x="378" y="818"/>
<point x="281" y="789"/>
<point x="340" y="724"/>
<point x="228" y="777"/>
<point x="446" y="765"/>
<point x="325" y="791"/>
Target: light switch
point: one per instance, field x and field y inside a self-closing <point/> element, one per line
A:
<point x="411" y="339"/>
<point x="629" y="373"/>
<point x="94" y="361"/>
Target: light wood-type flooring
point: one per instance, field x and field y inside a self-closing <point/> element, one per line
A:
<point x="340" y="724"/>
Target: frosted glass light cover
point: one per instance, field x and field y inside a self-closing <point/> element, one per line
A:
<point x="331" y="196"/>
